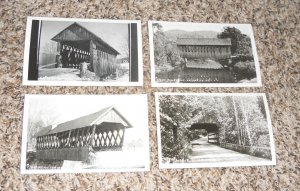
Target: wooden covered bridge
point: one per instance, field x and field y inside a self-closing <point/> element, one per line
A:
<point x="76" y="44"/>
<point x="73" y="140"/>
<point x="201" y="60"/>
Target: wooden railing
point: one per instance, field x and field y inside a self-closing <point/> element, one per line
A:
<point x="263" y="152"/>
<point x="213" y="138"/>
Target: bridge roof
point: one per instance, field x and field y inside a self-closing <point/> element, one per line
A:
<point x="76" y="32"/>
<point x="85" y="121"/>
<point x="209" y="127"/>
<point x="201" y="122"/>
<point x="204" y="41"/>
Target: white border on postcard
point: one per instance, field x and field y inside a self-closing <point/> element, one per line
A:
<point x="80" y="83"/>
<point x="48" y="171"/>
<point x="221" y="164"/>
<point x="157" y="84"/>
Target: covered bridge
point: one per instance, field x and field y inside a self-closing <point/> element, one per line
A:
<point x="202" y="58"/>
<point x="73" y="140"/>
<point x="77" y="44"/>
<point x="197" y="48"/>
<point x="210" y="125"/>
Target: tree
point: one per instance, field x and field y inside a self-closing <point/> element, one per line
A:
<point x="250" y="121"/>
<point x="49" y="47"/>
<point x="240" y="43"/>
<point x="159" y="41"/>
<point x="240" y="119"/>
<point x="166" y="53"/>
<point x="39" y="118"/>
<point x="246" y="111"/>
<point x="174" y="111"/>
<point x="173" y="55"/>
<point x="124" y="47"/>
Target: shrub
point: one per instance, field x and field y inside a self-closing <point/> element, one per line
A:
<point x="244" y="70"/>
<point x="173" y="150"/>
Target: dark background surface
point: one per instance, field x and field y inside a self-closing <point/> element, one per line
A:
<point x="276" y="31"/>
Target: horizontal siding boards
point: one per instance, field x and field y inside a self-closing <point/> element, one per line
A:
<point x="204" y="41"/>
<point x="74" y="154"/>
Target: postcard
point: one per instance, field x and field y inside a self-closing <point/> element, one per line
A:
<point x="202" y="55"/>
<point x="200" y="130"/>
<point x="85" y="133"/>
<point x="82" y="52"/>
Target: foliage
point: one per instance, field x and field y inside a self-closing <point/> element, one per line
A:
<point x="124" y="47"/>
<point x="49" y="47"/>
<point x="168" y="75"/>
<point x="251" y="123"/>
<point x="242" y="58"/>
<point x="241" y="120"/>
<point x="244" y="70"/>
<point x="166" y="53"/>
<point x="122" y="70"/>
<point x="241" y="43"/>
<point x="40" y="116"/>
<point x="159" y="42"/>
<point x="171" y="116"/>
<point x="173" y="55"/>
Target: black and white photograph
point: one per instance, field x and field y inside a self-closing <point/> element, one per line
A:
<point x="82" y="52"/>
<point x="200" y="130"/>
<point x="186" y="54"/>
<point x="85" y="133"/>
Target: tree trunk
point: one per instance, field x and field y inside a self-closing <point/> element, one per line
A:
<point x="246" y="122"/>
<point x="236" y="120"/>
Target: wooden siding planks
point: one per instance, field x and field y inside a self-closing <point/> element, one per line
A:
<point x="104" y="64"/>
<point x="73" y="154"/>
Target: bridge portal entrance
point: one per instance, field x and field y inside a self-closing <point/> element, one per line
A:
<point x="212" y="131"/>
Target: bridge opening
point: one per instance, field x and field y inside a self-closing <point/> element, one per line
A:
<point x="209" y="131"/>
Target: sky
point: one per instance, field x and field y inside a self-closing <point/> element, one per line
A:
<point x="60" y="109"/>
<point x="245" y="29"/>
<point x="112" y="33"/>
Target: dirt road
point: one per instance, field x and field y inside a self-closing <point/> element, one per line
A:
<point x="202" y="151"/>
